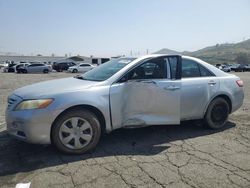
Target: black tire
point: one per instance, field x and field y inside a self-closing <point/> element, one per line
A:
<point x="75" y="71"/>
<point x="217" y="114"/>
<point x="85" y="114"/>
<point x="45" y="71"/>
<point x="25" y="71"/>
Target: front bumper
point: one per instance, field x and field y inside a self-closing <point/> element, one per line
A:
<point x="32" y="126"/>
<point x="70" y="70"/>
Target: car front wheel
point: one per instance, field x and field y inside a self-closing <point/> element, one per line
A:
<point x="76" y="132"/>
<point x="217" y="113"/>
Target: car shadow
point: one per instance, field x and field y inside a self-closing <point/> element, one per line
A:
<point x="17" y="156"/>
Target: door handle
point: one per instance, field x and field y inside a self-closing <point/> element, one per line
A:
<point x="173" y="87"/>
<point x="146" y="81"/>
<point x="211" y="82"/>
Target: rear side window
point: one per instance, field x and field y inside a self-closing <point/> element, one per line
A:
<point x="205" y="72"/>
<point x="191" y="69"/>
<point x="34" y="65"/>
<point x="70" y="64"/>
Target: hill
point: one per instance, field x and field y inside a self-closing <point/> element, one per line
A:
<point x="225" y="53"/>
<point x="167" y="51"/>
<point x="222" y="53"/>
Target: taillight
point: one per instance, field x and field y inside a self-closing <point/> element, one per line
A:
<point x="240" y="83"/>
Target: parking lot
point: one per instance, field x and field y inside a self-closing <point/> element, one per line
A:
<point x="186" y="155"/>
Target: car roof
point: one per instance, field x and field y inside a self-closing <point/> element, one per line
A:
<point x="215" y="70"/>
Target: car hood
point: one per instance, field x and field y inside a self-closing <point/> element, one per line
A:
<point x="53" y="87"/>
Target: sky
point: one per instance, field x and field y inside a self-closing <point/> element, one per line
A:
<point x="119" y="27"/>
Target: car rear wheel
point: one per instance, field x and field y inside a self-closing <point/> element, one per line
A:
<point x="76" y="132"/>
<point x="217" y="113"/>
<point x="75" y="71"/>
<point x="25" y="71"/>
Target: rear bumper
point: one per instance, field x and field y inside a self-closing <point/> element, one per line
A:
<point x="237" y="100"/>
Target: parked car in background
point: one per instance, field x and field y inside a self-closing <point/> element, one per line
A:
<point x="233" y="66"/>
<point x="83" y="67"/>
<point x="35" y="68"/>
<point x="247" y="67"/>
<point x="62" y="66"/>
<point x="225" y="68"/>
<point x="10" y="67"/>
<point x="3" y="65"/>
<point x="219" y="66"/>
<point x="19" y="66"/>
<point x="71" y="113"/>
<point x="239" y="68"/>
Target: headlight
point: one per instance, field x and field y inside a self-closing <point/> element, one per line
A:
<point x="34" y="104"/>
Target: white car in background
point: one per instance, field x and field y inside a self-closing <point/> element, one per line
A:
<point x="3" y="65"/>
<point x="83" y="67"/>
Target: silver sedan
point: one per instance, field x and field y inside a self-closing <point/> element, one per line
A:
<point x="71" y="113"/>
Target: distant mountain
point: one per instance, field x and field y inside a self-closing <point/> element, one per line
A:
<point x="9" y="53"/>
<point x="221" y="53"/>
<point x="167" y="51"/>
<point x="224" y="53"/>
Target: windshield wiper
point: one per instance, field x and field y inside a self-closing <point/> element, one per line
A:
<point x="79" y="77"/>
<point x="82" y="78"/>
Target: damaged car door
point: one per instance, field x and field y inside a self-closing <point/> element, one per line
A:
<point x="148" y="94"/>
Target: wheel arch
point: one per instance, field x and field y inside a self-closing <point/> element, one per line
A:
<point x="92" y="109"/>
<point x="224" y="96"/>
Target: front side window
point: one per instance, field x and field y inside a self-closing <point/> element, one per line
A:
<point x="151" y="69"/>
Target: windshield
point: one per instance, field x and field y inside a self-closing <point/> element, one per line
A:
<point x="106" y="70"/>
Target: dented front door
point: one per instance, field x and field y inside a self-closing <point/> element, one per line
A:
<point x="143" y="102"/>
